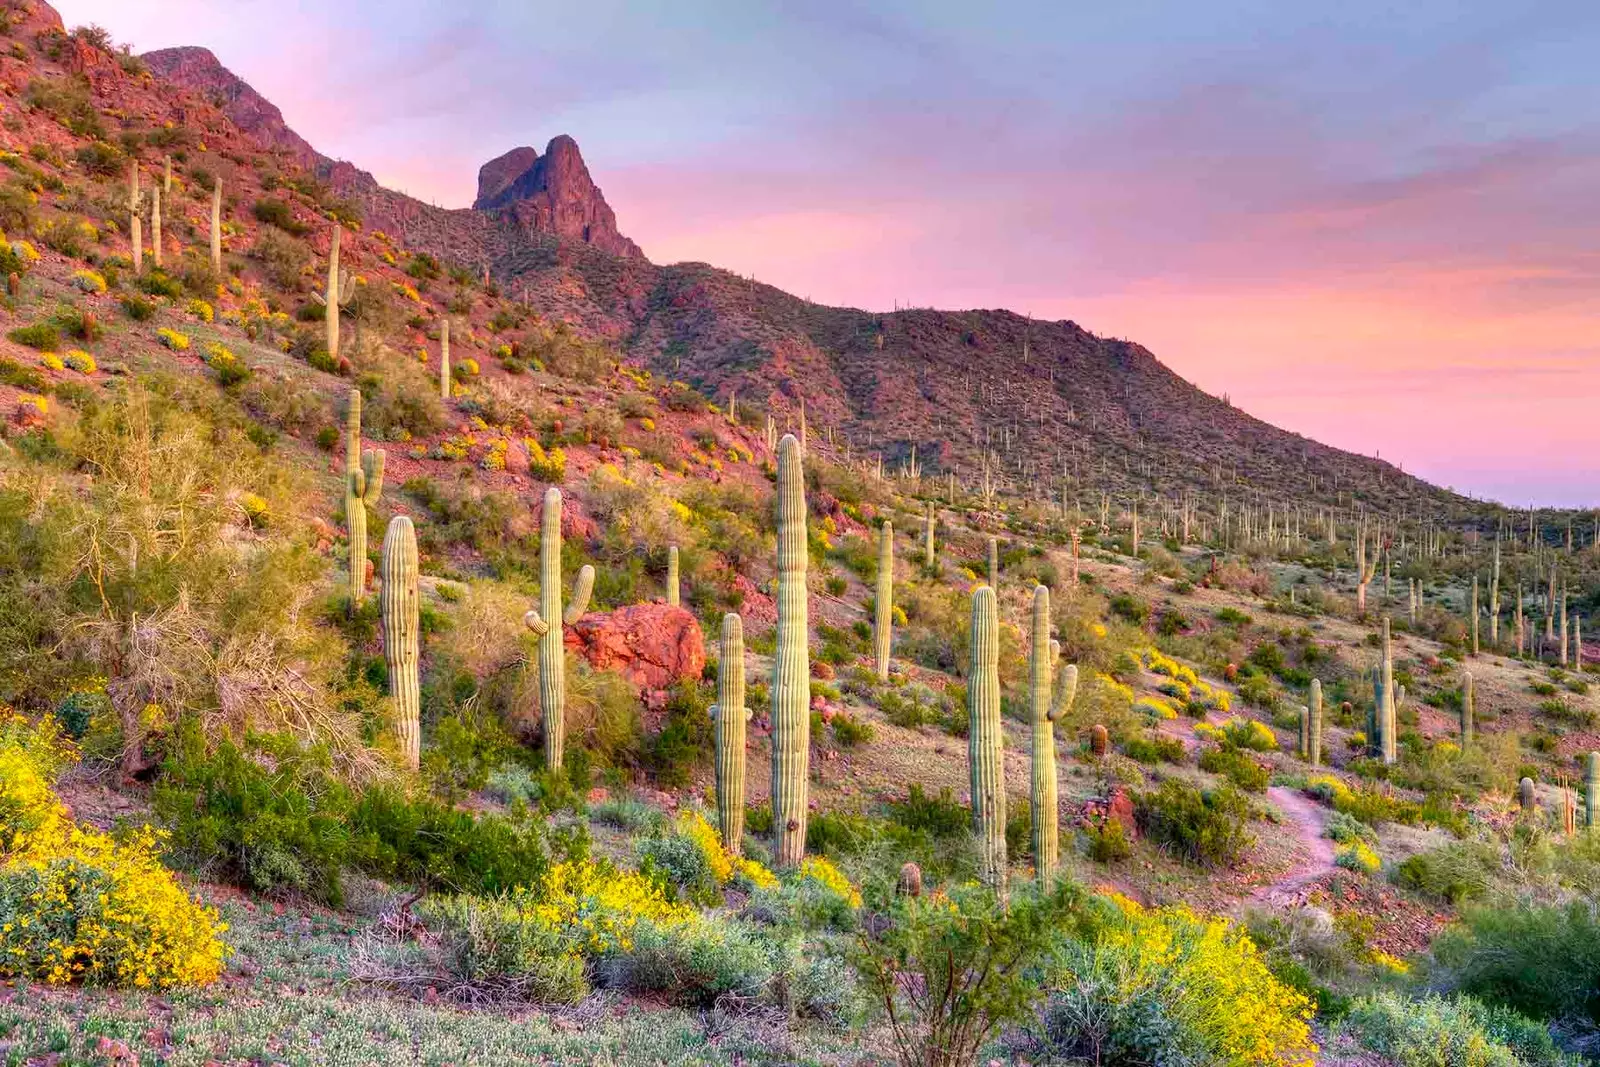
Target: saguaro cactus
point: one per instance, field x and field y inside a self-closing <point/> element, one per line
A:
<point x="444" y="359"/>
<point x="672" y="576"/>
<point x="135" y="223"/>
<point x="1050" y="699"/>
<point x="331" y="300"/>
<point x="984" y="738"/>
<point x="1468" y="710"/>
<point x="728" y="719"/>
<point x="216" y="225"/>
<point x="928" y="553"/>
<point x="1304" y="747"/>
<point x="363" y="485"/>
<point x="994" y="563"/>
<point x="1387" y="707"/>
<point x="1591" y="792"/>
<point x="1315" y="755"/>
<point x="398" y="600"/>
<point x="547" y="622"/>
<point x="791" y="665"/>
<point x="155" y="223"/>
<point x="1473" y="615"/>
<point x="883" y="608"/>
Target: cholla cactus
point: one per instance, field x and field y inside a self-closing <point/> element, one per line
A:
<point x="401" y="629"/>
<point x="444" y="359"/>
<point x="1052" y="688"/>
<point x="985" y="739"/>
<point x="791" y="665"/>
<point x="363" y="486"/>
<point x="728" y="718"/>
<point x="1314" y="755"/>
<point x="672" y="575"/>
<point x="547" y="622"/>
<point x="216" y="225"/>
<point x="883" y="609"/>
<point x="1468" y="710"/>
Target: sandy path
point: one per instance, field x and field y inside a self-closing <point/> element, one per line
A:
<point x="1309" y="820"/>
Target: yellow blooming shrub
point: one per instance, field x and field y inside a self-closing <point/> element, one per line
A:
<point x="819" y="871"/>
<point x="78" y="906"/>
<point x="80" y="361"/>
<point x="173" y="339"/>
<point x="89" y="281"/>
<point x="1357" y="856"/>
<point x="202" y="310"/>
<point x="51" y="361"/>
<point x="725" y="866"/>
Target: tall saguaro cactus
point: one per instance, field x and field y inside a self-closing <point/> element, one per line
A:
<point x="401" y="628"/>
<point x="155" y="223"/>
<point x="928" y="553"/>
<point x="1473" y="609"/>
<point x="984" y="738"/>
<point x="331" y="300"/>
<point x="728" y="719"/>
<point x="672" y="576"/>
<point x="1388" y="704"/>
<point x="1591" y="792"/>
<point x="1469" y="710"/>
<point x="1050" y="697"/>
<point x="363" y="486"/>
<point x="547" y="622"/>
<point x="994" y="563"/>
<point x="216" y="225"/>
<point x="444" y="359"/>
<point x="883" y="608"/>
<point x="1315" y="754"/>
<point x="791" y="665"/>
<point x="135" y="223"/>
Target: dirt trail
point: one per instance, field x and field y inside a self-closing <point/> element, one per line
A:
<point x="1309" y="820"/>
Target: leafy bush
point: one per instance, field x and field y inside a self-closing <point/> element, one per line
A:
<point x="1435" y="1031"/>
<point x="1155" y="748"/>
<point x="1543" y="961"/>
<point x="1453" y="873"/>
<point x="280" y="214"/>
<point x="951" y="970"/>
<point x="940" y="816"/>
<point x="1237" y="767"/>
<point x="41" y="335"/>
<point x="1137" y="986"/>
<point x="695" y="963"/>
<point x="1207" y="828"/>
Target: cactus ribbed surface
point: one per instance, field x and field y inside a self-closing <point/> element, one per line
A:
<point x="672" y="575"/>
<point x="1591" y="791"/>
<point x="155" y="223"/>
<point x="216" y="225"/>
<point x="1525" y="795"/>
<point x="135" y="224"/>
<point x="1304" y="743"/>
<point x="331" y="300"/>
<point x="1099" y="740"/>
<point x="547" y="622"/>
<point x="994" y="563"/>
<point x="928" y="552"/>
<point x="1315" y="756"/>
<point x="1050" y="697"/>
<point x="363" y="486"/>
<point x="728" y="718"/>
<point x="1468" y="709"/>
<point x="791" y="665"/>
<point x="984" y="739"/>
<point x="444" y="360"/>
<point x="1474" y="610"/>
<point x="883" y="608"/>
<point x="401" y="628"/>
<point x="909" y="884"/>
<point x="1386" y="708"/>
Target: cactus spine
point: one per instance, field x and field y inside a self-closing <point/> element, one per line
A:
<point x="1051" y="697"/>
<point x="363" y="485"/>
<point x="994" y="563"/>
<point x="331" y="301"/>
<point x="155" y="223"/>
<point x="791" y="665"/>
<point x="883" y="621"/>
<point x="547" y="622"/>
<point x="728" y="718"/>
<point x="1591" y="792"/>
<point x="444" y="359"/>
<point x="984" y="738"/>
<point x="135" y="223"/>
<point x="1468" y="710"/>
<point x="216" y="225"/>
<point x="398" y="600"/>
<point x="1315" y="755"/>
<point x="672" y="579"/>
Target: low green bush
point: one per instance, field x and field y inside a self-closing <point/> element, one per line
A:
<point x="1207" y="828"/>
<point x="1543" y="961"/>
<point x="1435" y="1031"/>
<point x="1236" y="767"/>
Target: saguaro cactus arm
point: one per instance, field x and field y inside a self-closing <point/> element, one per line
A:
<point x="1066" y="689"/>
<point x="581" y="591"/>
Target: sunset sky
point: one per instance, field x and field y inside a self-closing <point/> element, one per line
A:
<point x="1374" y="223"/>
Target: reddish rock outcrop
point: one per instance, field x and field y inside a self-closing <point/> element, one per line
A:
<point x="651" y="645"/>
<point x="552" y="193"/>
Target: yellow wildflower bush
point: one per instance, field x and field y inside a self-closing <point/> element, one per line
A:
<point x="1155" y="707"/>
<point x="173" y="339"/>
<point x="725" y="866"/>
<point x="201" y="310"/>
<point x="51" y="361"/>
<point x="1357" y="856"/>
<point x="78" y="906"/>
<point x="1188" y="982"/>
<point x="80" y="361"/>
<point x="819" y="871"/>
<point x="89" y="281"/>
<point x="1158" y="663"/>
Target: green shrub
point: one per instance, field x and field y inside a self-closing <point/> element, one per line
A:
<point x="1207" y="828"/>
<point x="1434" y="1031"/>
<point x="41" y="335"/>
<point x="488" y="946"/>
<point x="1237" y="767"/>
<point x="1543" y="961"/>
<point x="684" y="742"/>
<point x="138" y="308"/>
<point x="940" y="816"/>
<point x="1155" y="748"/>
<point x="280" y="214"/>
<point x="696" y="963"/>
<point x="849" y="731"/>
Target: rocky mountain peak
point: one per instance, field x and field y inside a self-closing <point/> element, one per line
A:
<point x="552" y="193"/>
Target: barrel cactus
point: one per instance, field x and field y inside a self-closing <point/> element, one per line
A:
<point x="791" y="665"/>
<point x="909" y="884"/>
<point x="363" y="485"/>
<point x="1099" y="741"/>
<point x="728" y="719"/>
<point x="401" y="627"/>
<point x="883" y="609"/>
<point x="547" y="620"/>
<point x="984" y="739"/>
<point x="1525" y="795"/>
<point x="1051" y="691"/>
<point x="672" y="576"/>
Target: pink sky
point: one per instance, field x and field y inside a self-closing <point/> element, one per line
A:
<point x="1373" y="225"/>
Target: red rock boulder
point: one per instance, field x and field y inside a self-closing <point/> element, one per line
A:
<point x="651" y="645"/>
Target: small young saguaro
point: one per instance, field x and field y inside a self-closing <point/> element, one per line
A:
<point x="883" y="608"/>
<point x="216" y="225"/>
<point x="547" y="621"/>
<point x="1314" y="756"/>
<point x="994" y="563"/>
<point x="400" y="610"/>
<point x="444" y="359"/>
<point x="1468" y="709"/>
<point x="791" y="664"/>
<point x="672" y="576"/>
<point x="984" y="739"/>
<point x="728" y="719"/>
<point x="363" y="486"/>
<point x="1591" y="792"/>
